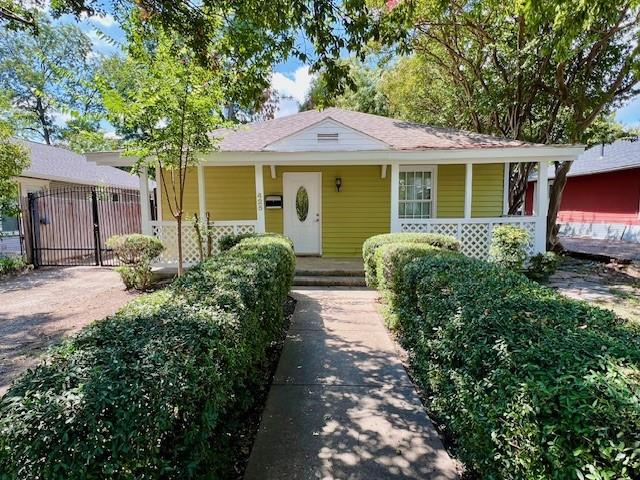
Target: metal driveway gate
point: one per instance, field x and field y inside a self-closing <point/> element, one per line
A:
<point x="70" y="226"/>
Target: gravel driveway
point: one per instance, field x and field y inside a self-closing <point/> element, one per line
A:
<point x="39" y="308"/>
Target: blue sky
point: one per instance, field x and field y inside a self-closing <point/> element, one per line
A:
<point x="292" y="79"/>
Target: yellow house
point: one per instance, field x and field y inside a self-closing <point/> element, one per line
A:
<point x="330" y="179"/>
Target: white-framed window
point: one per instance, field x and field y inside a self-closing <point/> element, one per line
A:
<point x="417" y="191"/>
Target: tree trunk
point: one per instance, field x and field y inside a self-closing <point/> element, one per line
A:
<point x="46" y="132"/>
<point x="179" y="236"/>
<point x="555" y="197"/>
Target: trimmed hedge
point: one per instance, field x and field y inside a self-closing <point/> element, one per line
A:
<point x="527" y="383"/>
<point x="370" y="246"/>
<point x="155" y="390"/>
<point x="391" y="258"/>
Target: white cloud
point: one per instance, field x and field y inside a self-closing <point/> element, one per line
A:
<point x="296" y="87"/>
<point x="105" y="20"/>
<point x="287" y="107"/>
<point x="61" y="118"/>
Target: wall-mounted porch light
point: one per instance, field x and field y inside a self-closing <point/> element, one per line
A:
<point x="338" y="183"/>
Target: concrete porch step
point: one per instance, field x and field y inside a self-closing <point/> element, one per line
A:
<point x="316" y="280"/>
<point x="329" y="272"/>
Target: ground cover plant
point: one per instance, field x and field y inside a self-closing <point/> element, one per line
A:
<point x="527" y="384"/>
<point x="155" y="390"/>
<point x="370" y="246"/>
<point x="12" y="264"/>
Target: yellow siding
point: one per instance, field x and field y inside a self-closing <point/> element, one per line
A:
<point x="190" y="202"/>
<point x="230" y="192"/>
<point x="450" y="191"/>
<point x="361" y="208"/>
<point x="488" y="181"/>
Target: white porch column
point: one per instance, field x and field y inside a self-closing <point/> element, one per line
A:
<point x="202" y="199"/>
<point x="505" y="190"/>
<point x="395" y="197"/>
<point x="158" y="195"/>
<point x="468" y="190"/>
<point x="145" y="208"/>
<point x="542" y="207"/>
<point x="260" y="225"/>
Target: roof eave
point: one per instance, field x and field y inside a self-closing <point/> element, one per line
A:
<point x="500" y="154"/>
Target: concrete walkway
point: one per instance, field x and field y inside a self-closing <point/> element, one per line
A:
<point x="341" y="405"/>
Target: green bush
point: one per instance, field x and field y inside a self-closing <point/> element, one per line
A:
<point x="391" y="258"/>
<point x="509" y="247"/>
<point x="543" y="265"/>
<point x="226" y="242"/>
<point x="528" y="383"/>
<point x="11" y="264"/>
<point x="136" y="252"/>
<point x="156" y="390"/>
<point x="372" y="243"/>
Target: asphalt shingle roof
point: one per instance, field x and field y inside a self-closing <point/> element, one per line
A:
<point x="57" y="163"/>
<point x="398" y="134"/>
<point x="619" y="155"/>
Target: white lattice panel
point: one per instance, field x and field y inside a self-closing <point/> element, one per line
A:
<point x="475" y="239"/>
<point x="475" y="236"/>
<point x="445" y="229"/>
<point x="167" y="232"/>
<point x="168" y="235"/>
<point x="415" y="227"/>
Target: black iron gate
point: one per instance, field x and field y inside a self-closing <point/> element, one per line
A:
<point x="70" y="226"/>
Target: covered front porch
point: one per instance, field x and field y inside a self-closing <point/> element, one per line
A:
<point x="372" y="191"/>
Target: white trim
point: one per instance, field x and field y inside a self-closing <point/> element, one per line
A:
<point x="543" y="207"/>
<point x="395" y="197"/>
<point x="327" y="120"/>
<point x="259" y="199"/>
<point x="374" y="157"/>
<point x="158" y="194"/>
<point x="145" y="210"/>
<point x="433" y="169"/>
<point x="274" y="172"/>
<point x="383" y="171"/>
<point x="202" y="199"/>
<point x="462" y="221"/>
<point x="505" y="188"/>
<point x="468" y="190"/>
<point x="82" y="181"/>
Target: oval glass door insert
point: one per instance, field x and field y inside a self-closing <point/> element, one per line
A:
<point x="302" y="204"/>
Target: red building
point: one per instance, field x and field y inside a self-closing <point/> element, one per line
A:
<point x="602" y="196"/>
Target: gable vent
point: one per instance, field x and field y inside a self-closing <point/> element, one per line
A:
<point x="327" y="137"/>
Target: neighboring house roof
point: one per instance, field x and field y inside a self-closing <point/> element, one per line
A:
<point x="60" y="164"/>
<point x="397" y="134"/>
<point x="619" y="155"/>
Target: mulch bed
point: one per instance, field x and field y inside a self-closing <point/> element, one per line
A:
<point x="248" y="429"/>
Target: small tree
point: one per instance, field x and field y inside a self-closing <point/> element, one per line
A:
<point x="14" y="158"/>
<point x="172" y="107"/>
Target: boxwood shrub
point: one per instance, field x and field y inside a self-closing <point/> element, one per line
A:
<point x="370" y="246"/>
<point x="153" y="391"/>
<point x="527" y="383"/>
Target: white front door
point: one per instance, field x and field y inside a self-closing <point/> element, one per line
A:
<point x="302" y="210"/>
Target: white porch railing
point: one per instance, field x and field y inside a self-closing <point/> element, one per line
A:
<point x="167" y="232"/>
<point x="473" y="233"/>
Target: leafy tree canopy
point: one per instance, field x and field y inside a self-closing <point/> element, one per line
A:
<point x="364" y="94"/>
<point x="48" y="75"/>
<point x="14" y="158"/>
<point x="252" y="35"/>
